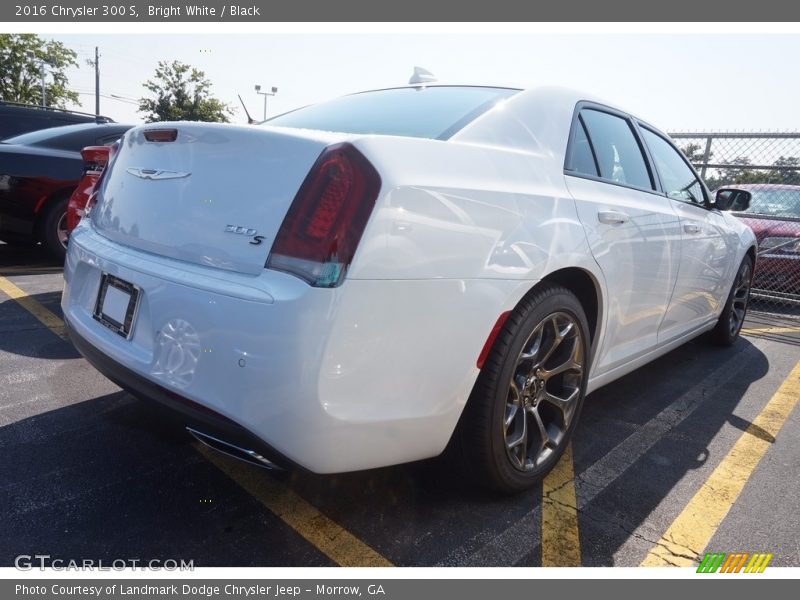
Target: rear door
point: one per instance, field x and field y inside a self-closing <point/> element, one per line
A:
<point x="704" y="276"/>
<point x="632" y="230"/>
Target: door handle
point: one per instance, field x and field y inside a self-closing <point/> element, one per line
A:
<point x="612" y="217"/>
<point x="691" y="228"/>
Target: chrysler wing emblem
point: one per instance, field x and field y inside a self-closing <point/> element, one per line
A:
<point x="157" y="173"/>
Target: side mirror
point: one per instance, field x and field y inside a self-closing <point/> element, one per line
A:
<point x="732" y="199"/>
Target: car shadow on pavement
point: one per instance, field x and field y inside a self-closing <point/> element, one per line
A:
<point x="23" y="334"/>
<point x="114" y="477"/>
<point x="27" y="259"/>
<point x="703" y="404"/>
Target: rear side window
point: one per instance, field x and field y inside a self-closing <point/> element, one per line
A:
<point x="582" y="155"/>
<point x="616" y="152"/>
<point x="429" y="112"/>
<point x="677" y="178"/>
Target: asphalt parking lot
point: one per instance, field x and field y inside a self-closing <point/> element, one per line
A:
<point x="697" y="452"/>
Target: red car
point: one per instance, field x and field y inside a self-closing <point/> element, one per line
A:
<point x="95" y="159"/>
<point x="774" y="216"/>
<point x="38" y="172"/>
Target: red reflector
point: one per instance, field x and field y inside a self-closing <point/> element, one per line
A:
<point x="96" y="155"/>
<point x="321" y="231"/>
<point x="161" y="135"/>
<point x="487" y="347"/>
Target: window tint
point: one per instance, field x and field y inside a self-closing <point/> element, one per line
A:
<point x="432" y="112"/>
<point x="617" y="152"/>
<point x="582" y="157"/>
<point x="677" y="179"/>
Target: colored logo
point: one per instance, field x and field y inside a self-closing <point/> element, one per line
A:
<point x="738" y="562"/>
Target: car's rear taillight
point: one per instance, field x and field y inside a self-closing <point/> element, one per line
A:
<point x="96" y="155"/>
<point x="110" y="154"/>
<point x="321" y="231"/>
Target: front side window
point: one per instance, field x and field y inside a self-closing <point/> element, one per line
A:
<point x="677" y="178"/>
<point x="616" y="151"/>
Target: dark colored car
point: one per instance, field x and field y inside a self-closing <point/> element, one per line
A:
<point x="774" y="216"/>
<point x="38" y="173"/>
<point x="16" y="119"/>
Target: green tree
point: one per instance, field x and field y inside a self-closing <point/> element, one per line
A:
<point x="21" y="76"/>
<point x="182" y="93"/>
<point x="789" y="173"/>
<point x="695" y="153"/>
<point x="740" y="170"/>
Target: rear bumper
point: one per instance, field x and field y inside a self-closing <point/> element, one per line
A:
<point x="369" y="374"/>
<point x="192" y="414"/>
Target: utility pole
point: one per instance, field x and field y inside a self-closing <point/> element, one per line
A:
<point x="44" y="92"/>
<point x="97" y="81"/>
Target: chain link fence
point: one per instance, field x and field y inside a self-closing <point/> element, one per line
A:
<point x="767" y="165"/>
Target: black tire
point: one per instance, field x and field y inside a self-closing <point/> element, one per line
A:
<point x="52" y="219"/>
<point x="730" y="321"/>
<point x="490" y="423"/>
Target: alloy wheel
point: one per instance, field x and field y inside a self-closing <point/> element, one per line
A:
<point x="61" y="230"/>
<point x="544" y="391"/>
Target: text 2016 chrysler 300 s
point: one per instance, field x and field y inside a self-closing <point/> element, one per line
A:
<point x="374" y="279"/>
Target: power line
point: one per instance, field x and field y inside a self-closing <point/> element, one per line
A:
<point x="110" y="97"/>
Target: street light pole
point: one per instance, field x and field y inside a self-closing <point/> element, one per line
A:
<point x="265" y="94"/>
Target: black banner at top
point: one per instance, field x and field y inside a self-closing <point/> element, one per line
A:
<point x="42" y="11"/>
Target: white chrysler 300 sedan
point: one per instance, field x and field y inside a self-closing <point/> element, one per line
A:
<point x="378" y="278"/>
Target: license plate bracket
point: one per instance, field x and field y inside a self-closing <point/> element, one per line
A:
<point x="117" y="301"/>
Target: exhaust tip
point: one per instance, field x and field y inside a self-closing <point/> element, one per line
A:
<point x="232" y="450"/>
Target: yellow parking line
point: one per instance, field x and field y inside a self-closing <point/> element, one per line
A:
<point x="45" y="316"/>
<point x="684" y="541"/>
<point x="561" y="545"/>
<point x="337" y="543"/>
<point x="757" y="330"/>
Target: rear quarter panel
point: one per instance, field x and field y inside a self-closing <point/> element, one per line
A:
<point x="451" y="210"/>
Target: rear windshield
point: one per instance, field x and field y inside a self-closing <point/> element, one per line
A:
<point x="429" y="112"/>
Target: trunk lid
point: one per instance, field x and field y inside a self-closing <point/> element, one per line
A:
<point x="214" y="196"/>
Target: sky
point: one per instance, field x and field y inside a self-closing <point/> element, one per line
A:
<point x="678" y="82"/>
